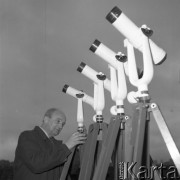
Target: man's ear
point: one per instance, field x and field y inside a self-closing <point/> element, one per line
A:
<point x="46" y="119"/>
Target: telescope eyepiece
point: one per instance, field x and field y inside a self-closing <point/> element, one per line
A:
<point x="95" y="45"/>
<point x="80" y="95"/>
<point x="147" y="31"/>
<point x="121" y="57"/>
<point x="113" y="14"/>
<point x="81" y="67"/>
<point x="65" y="88"/>
<point x="101" y="76"/>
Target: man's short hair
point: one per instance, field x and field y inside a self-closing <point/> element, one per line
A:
<point x="50" y="112"/>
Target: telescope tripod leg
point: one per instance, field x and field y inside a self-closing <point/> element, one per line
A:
<point x="141" y="147"/>
<point x="67" y="165"/>
<point x="135" y="123"/>
<point x="101" y="138"/>
<point x="107" y="149"/>
<point x="115" y="158"/>
<point x="89" y="152"/>
<point x="133" y="134"/>
<point x="119" y="152"/>
<point x="156" y="175"/>
<point x="146" y="154"/>
<point x="171" y="146"/>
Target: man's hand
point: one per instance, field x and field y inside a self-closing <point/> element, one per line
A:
<point x="76" y="139"/>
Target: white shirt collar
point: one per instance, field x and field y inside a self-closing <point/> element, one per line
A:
<point x="44" y="131"/>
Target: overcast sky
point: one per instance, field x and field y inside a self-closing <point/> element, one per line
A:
<point x="43" y="42"/>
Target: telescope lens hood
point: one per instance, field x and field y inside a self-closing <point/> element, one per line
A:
<point x="95" y="45"/>
<point x="81" y="67"/>
<point x="65" y="88"/>
<point x="113" y="15"/>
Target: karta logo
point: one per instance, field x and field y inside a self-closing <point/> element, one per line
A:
<point x="131" y="170"/>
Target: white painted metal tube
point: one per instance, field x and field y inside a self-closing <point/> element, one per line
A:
<point x="104" y="52"/>
<point x="110" y="57"/>
<point x="95" y="96"/>
<point x="141" y="84"/>
<point x="91" y="74"/>
<point x="114" y="85"/>
<point x="80" y="115"/>
<point x="132" y="68"/>
<point x="72" y="92"/>
<point x="122" y="87"/>
<point x="130" y="31"/>
<point x="100" y="97"/>
<point x="118" y="80"/>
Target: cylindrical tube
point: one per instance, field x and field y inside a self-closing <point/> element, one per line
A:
<point x="80" y="116"/>
<point x="73" y="92"/>
<point x="110" y="57"/>
<point x="99" y="94"/>
<point x="91" y="74"/>
<point x="123" y="24"/>
<point x="104" y="52"/>
<point x="114" y="85"/>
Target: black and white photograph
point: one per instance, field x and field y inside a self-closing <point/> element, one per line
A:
<point x="89" y="89"/>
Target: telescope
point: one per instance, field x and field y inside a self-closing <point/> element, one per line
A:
<point x="80" y="96"/>
<point x="73" y="92"/>
<point x="148" y="72"/>
<point x="97" y="103"/>
<point x="111" y="86"/>
<point x="92" y="74"/>
<point x="107" y="54"/>
<point x="130" y="31"/>
<point x="80" y="113"/>
<point x="99" y="99"/>
<point x="116" y="62"/>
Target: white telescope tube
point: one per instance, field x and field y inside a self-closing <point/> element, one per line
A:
<point x="122" y="87"/>
<point x="95" y="96"/>
<point x="104" y="52"/>
<point x="114" y="86"/>
<point x="116" y="62"/>
<point x="132" y="68"/>
<point x="99" y="99"/>
<point x="91" y="74"/>
<point x="118" y="88"/>
<point x="80" y="115"/>
<point x="117" y="94"/>
<point x="142" y="83"/>
<point x="108" y="55"/>
<point x="73" y="92"/>
<point x="123" y="24"/>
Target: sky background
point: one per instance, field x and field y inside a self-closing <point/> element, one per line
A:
<point x="43" y="42"/>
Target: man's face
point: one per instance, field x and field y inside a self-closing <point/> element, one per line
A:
<point x="56" y="122"/>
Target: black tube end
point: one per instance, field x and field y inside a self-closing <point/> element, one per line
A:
<point x="65" y="88"/>
<point x="113" y="14"/>
<point x="81" y="67"/>
<point x="95" y="45"/>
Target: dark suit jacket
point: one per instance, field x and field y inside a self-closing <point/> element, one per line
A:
<point x="39" y="158"/>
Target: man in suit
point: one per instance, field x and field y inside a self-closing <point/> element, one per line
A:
<point x="39" y="156"/>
